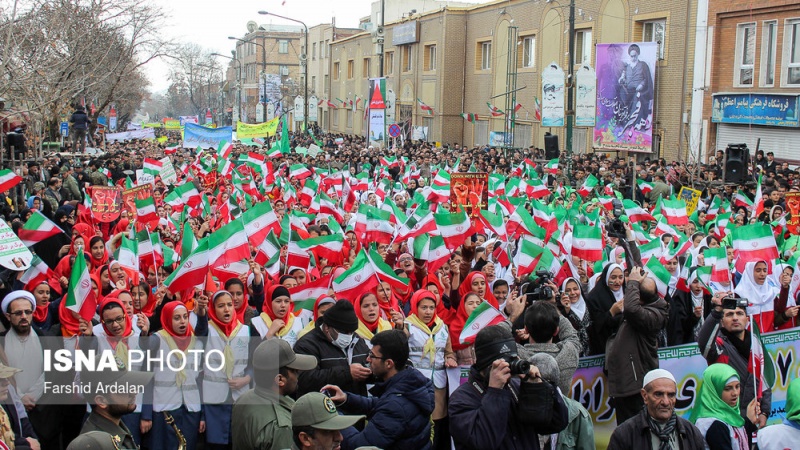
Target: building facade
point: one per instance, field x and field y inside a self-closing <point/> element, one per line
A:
<point x="753" y="79"/>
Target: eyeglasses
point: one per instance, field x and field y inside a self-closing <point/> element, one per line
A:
<point x="406" y="259"/>
<point x="24" y="312"/>
<point x="119" y="321"/>
<point x="371" y="355"/>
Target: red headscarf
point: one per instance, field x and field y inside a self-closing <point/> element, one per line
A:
<point x="99" y="272"/>
<point x="149" y="308"/>
<point x="457" y="324"/>
<point x="92" y="260"/>
<point x="181" y="340"/>
<point x="121" y="226"/>
<point x="357" y="306"/>
<point x="391" y="305"/>
<point x="317" y="302"/>
<point x="226" y="328"/>
<point x="419" y="296"/>
<point x="40" y="313"/>
<point x="113" y="340"/>
<point x="95" y="276"/>
<point x="466" y="287"/>
<point x="266" y="308"/>
<point x="445" y="314"/>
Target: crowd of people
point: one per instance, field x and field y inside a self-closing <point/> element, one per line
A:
<point x="316" y="357"/>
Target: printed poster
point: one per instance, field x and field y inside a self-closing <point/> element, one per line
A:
<point x="793" y="212"/>
<point x="691" y="197"/>
<point x="14" y="254"/>
<point x="553" y="96"/>
<point x="197" y="136"/>
<point x="130" y="196"/>
<point x="106" y="203"/>
<point x="586" y="96"/>
<point x="625" y="96"/>
<point x="469" y="192"/>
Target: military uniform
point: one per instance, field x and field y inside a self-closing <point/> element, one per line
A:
<point x="121" y="434"/>
<point x="98" y="179"/>
<point x="262" y="419"/>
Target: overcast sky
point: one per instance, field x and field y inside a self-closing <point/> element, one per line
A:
<point x="209" y="24"/>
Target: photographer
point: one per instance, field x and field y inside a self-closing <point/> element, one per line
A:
<point x="634" y="350"/>
<point x="725" y="338"/>
<point x="504" y="404"/>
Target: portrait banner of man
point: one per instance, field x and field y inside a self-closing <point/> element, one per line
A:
<point x="625" y="93"/>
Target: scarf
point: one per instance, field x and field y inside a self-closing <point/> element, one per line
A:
<point x="430" y="328"/>
<point x="620" y="294"/>
<point x="757" y="294"/>
<point x="466" y="287"/>
<point x="70" y="325"/>
<point x="392" y="304"/>
<point x="663" y="432"/>
<point x="182" y="341"/>
<point x="118" y="343"/>
<point x="227" y="331"/>
<point x="579" y="307"/>
<point x="40" y="312"/>
<point x="94" y="262"/>
<point x="742" y="345"/>
<point x="368" y="329"/>
<point x="710" y="404"/>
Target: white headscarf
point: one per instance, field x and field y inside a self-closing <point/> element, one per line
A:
<point x="756" y="294"/>
<point x="578" y="307"/>
<point x="618" y="295"/>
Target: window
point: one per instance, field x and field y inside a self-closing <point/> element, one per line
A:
<point x="653" y="31"/>
<point x="350" y="69"/>
<point x="745" y="54"/>
<point x="388" y="63"/>
<point x="485" y="55"/>
<point x="427" y="122"/>
<point x="314" y="51"/>
<point x="365" y="68"/>
<point x="321" y="49"/>
<point x="526" y="57"/>
<point x="406" y="49"/>
<point x="283" y="46"/>
<point x="791" y="52"/>
<point x="336" y="71"/>
<point x="335" y="114"/>
<point x="327" y="47"/>
<point x="430" y="57"/>
<point x="349" y="118"/>
<point x="769" y="41"/>
<point x="283" y="70"/>
<point x="583" y="47"/>
<point x="313" y="83"/>
<point x="325" y="84"/>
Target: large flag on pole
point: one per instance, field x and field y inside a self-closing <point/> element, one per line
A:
<point x="192" y="271"/>
<point x="754" y="243"/>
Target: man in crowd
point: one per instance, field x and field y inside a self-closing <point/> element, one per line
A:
<point x="634" y="350"/>
<point x="657" y="426"/>
<point x="725" y="338"/>
<point x="401" y="404"/>
<point x="80" y="125"/>
<point x="342" y="355"/>
<point x="543" y="323"/>
<point x="316" y="424"/>
<point x="262" y="417"/>
<point x="15" y="428"/>
<point x="490" y="411"/>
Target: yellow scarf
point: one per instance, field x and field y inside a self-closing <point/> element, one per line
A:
<point x="180" y="377"/>
<point x="6" y="433"/>
<point x="311" y="325"/>
<point x="430" y="346"/>
<point x="364" y="332"/>
<point x="228" y="352"/>
<point x="287" y="327"/>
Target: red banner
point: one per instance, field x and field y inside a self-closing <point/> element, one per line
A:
<point x="106" y="203"/>
<point x="469" y="192"/>
<point x="793" y="212"/>
<point x="130" y="196"/>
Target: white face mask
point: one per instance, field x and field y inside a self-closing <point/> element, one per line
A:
<point x="343" y="340"/>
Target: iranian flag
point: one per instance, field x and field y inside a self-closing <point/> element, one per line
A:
<point x="551" y="167"/>
<point x="534" y="188"/>
<point x="146" y="210"/>
<point x="754" y="243"/>
<point x="717" y="259"/>
<point x="80" y="296"/>
<point x="304" y="296"/>
<point x="385" y="272"/>
<point x="359" y="278"/>
<point x="299" y="171"/>
<point x="495" y="223"/>
<point x="485" y="315"/>
<point x="228" y="245"/>
<point x="606" y="202"/>
<point x="635" y="212"/>
<point x="758" y="208"/>
<point x="588" y="185"/>
<point x="714" y="209"/>
<point x="224" y="150"/>
<point x="659" y="274"/>
<point x="761" y="364"/>
<point x="527" y="255"/>
<point x="587" y="242"/>
<point x="268" y="250"/>
<point x="419" y="223"/>
<point x="432" y="250"/>
<point x="428" y="110"/>
<point x="328" y="247"/>
<point x="674" y="211"/>
<point x="38" y="228"/>
<point x="644" y="186"/>
<point x="469" y="117"/>
<point x="454" y="228"/>
<point x="520" y="222"/>
<point x="38" y="272"/>
<point x="128" y="257"/>
<point x="740" y="199"/>
<point x="192" y="270"/>
<point x="152" y="167"/>
<point x="374" y="225"/>
<point x="651" y="250"/>
<point x="8" y="179"/>
<point x="186" y="193"/>
<point x="327" y="207"/>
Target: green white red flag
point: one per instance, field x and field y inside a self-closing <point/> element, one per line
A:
<point x="588" y="185"/>
<point x="644" y="186"/>
<point x="359" y="278"/>
<point x="152" y="167"/>
<point x="551" y="167"/>
<point x="80" y="296"/>
<point x="192" y="270"/>
<point x="228" y="244"/>
<point x="761" y="364"/>
<point x="674" y="211"/>
<point x="128" y="257"/>
<point x="659" y="274"/>
<point x="635" y="212"/>
<point x="485" y="315"/>
<point x="454" y="228"/>
<point x="587" y="242"/>
<point x="717" y="259"/>
<point x="305" y="295"/>
<point x="8" y="179"/>
<point x="38" y="228"/>
<point x="754" y="243"/>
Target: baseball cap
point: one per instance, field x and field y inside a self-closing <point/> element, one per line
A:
<point x="273" y="354"/>
<point x="316" y="410"/>
<point x="93" y="440"/>
<point x="120" y="377"/>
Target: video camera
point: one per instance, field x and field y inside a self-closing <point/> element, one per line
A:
<point x="537" y="289"/>
<point x="734" y="302"/>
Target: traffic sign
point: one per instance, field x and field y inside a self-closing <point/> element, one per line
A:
<point x="394" y="130"/>
<point x="64" y="129"/>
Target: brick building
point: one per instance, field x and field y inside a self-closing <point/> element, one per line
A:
<point x="754" y="76"/>
<point x="457" y="59"/>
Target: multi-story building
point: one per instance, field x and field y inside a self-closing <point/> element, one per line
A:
<point x="457" y="59"/>
<point x="753" y="78"/>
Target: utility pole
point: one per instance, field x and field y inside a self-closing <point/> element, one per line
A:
<point x="571" y="86"/>
<point x="380" y="40"/>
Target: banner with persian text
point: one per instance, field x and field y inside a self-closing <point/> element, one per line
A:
<point x="197" y="136"/>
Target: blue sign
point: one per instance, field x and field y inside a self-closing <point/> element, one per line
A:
<point x="64" y="129"/>
<point x="199" y="136"/>
<point x="756" y="109"/>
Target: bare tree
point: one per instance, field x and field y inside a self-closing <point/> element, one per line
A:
<point x="195" y="78"/>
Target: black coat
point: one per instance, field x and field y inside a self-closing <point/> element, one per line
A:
<point x="635" y="434"/>
<point x="333" y="363"/>
<point x="604" y="325"/>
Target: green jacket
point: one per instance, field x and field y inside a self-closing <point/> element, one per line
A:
<point x="120" y="433"/>
<point x="659" y="190"/>
<point x="262" y="420"/>
<point x="579" y="434"/>
<point x="72" y="187"/>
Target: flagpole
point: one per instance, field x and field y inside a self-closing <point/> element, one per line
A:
<point x="155" y="263"/>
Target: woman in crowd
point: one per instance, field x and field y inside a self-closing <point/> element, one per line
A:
<point x="97" y="252"/>
<point x="786" y="308"/>
<point x="322" y="304"/>
<point x="716" y="412"/>
<point x="760" y="291"/>
<point x="605" y="307"/>
<point x="465" y="353"/>
<point x="370" y="321"/>
<point x="573" y="307"/>
<point x="277" y="318"/>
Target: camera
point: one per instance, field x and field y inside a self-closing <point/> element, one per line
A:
<point x="519" y="366"/>
<point x="733" y="303"/>
<point x="539" y="291"/>
<point x="616" y="228"/>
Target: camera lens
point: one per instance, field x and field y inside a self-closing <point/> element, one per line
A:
<point x="519" y="367"/>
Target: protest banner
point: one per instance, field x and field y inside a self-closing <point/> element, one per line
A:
<point x="469" y="192"/>
<point x="691" y="197"/>
<point x="793" y="212"/>
<point x="130" y="196"/>
<point x="167" y="172"/>
<point x="197" y="136"/>
<point x="106" y="203"/>
<point x="256" y="130"/>
<point x="14" y="254"/>
<point x="145" y="133"/>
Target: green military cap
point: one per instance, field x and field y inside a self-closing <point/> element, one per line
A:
<point x="316" y="410"/>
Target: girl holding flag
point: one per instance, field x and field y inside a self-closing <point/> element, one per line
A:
<point x="760" y="291"/>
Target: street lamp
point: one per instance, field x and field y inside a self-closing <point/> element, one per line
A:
<point x="303" y="61"/>
<point x="238" y="102"/>
<point x="263" y="72"/>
